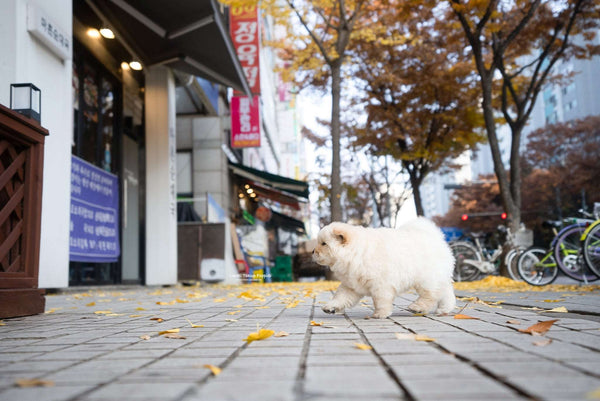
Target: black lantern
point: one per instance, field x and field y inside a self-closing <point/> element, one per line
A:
<point x="27" y="100"/>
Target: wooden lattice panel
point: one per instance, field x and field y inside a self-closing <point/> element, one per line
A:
<point x="12" y="187"/>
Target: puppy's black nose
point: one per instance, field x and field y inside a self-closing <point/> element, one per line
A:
<point x="313" y="251"/>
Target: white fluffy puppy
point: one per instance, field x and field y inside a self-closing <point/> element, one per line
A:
<point x="385" y="262"/>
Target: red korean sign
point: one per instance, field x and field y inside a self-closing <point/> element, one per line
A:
<point x="245" y="122"/>
<point x="244" y="30"/>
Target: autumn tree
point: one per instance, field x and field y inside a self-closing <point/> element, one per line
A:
<point x="563" y="159"/>
<point x="418" y="91"/>
<point x="519" y="43"/>
<point x="315" y="55"/>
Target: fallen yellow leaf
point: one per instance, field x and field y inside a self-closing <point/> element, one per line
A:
<point x="136" y="315"/>
<point x="560" y="309"/>
<point x="234" y="312"/>
<point x="461" y="316"/>
<point x="33" y="383"/>
<point x="593" y="395"/>
<point x="140" y="308"/>
<point x="103" y="312"/>
<point x="91" y="304"/>
<point x="160" y="333"/>
<point x="260" y="335"/>
<point x="362" y="346"/>
<point x="145" y="337"/>
<point x="281" y="334"/>
<point x="215" y="370"/>
<point x="195" y="326"/>
<point x="158" y="319"/>
<point x="414" y="337"/>
<point x="219" y="300"/>
<point x="542" y="343"/>
<point x="313" y="323"/>
<point x="174" y="336"/>
<point x="513" y="321"/>
<point x="553" y="300"/>
<point x="292" y="304"/>
<point x="540" y="328"/>
<point x="231" y="320"/>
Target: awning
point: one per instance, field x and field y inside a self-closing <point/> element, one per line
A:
<point x="286" y="222"/>
<point x="284" y="185"/>
<point x="187" y="35"/>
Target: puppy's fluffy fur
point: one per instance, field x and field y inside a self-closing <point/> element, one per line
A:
<point x="385" y="262"/>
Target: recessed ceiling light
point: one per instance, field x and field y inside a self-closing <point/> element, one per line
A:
<point x="93" y="33"/>
<point x="135" y="65"/>
<point x="107" y="33"/>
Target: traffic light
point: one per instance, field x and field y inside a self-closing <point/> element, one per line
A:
<point x="464" y="217"/>
<point x="503" y="216"/>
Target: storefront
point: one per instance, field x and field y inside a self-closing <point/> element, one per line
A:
<point x="109" y="104"/>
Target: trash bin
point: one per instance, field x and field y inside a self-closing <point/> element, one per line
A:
<point x="282" y="271"/>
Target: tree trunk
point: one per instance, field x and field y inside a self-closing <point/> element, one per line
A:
<point x="506" y="188"/>
<point x="336" y="185"/>
<point x="415" y="183"/>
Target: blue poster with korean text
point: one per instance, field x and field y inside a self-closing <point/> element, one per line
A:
<point x="94" y="230"/>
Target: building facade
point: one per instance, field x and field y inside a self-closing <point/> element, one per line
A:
<point x="111" y="106"/>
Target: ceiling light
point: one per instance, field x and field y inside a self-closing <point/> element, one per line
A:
<point x="107" y="33"/>
<point x="93" y="33"/>
<point x="135" y="65"/>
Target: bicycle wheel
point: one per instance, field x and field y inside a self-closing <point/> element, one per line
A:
<point x="463" y="251"/>
<point x="537" y="266"/>
<point x="591" y="250"/>
<point x="568" y="255"/>
<point x="510" y="261"/>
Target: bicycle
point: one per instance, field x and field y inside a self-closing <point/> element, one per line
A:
<point x="474" y="258"/>
<point x="590" y="242"/>
<point x="539" y="266"/>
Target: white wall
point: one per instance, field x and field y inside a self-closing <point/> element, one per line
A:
<point x="161" y="203"/>
<point x="23" y="58"/>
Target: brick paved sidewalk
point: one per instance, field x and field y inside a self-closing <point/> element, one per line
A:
<point x="90" y="346"/>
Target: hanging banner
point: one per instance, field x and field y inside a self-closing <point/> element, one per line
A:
<point x="94" y="230"/>
<point x="244" y="30"/>
<point x="245" y="122"/>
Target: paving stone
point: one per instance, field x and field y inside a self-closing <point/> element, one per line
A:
<point x="135" y="391"/>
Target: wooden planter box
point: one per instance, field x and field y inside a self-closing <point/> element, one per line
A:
<point x="21" y="168"/>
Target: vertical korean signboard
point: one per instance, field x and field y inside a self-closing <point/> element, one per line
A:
<point x="245" y="112"/>
<point x="94" y="230"/>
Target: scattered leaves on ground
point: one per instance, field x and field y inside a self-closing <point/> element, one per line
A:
<point x="542" y="343"/>
<point x="513" y="321"/>
<point x="540" y="328"/>
<point x="553" y="300"/>
<point x="281" y="334"/>
<point x="103" y="312"/>
<point x="160" y="333"/>
<point x="146" y="337"/>
<point x="194" y="326"/>
<point x="362" y="346"/>
<point x="313" y="323"/>
<point x="24" y="383"/>
<point x="91" y="304"/>
<point x="174" y="336"/>
<point x="259" y="335"/>
<point x="215" y="370"/>
<point x="560" y="309"/>
<point x="461" y="316"/>
<point x="505" y="284"/>
<point x="158" y="319"/>
<point x="414" y="337"/>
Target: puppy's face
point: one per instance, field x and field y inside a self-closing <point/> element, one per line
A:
<point x="330" y="244"/>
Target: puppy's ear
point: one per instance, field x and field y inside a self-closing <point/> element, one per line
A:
<point x="341" y="234"/>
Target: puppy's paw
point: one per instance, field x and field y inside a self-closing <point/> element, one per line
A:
<point x="331" y="309"/>
<point x="381" y="315"/>
<point x="417" y="307"/>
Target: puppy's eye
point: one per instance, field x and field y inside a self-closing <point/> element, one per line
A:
<point x="324" y="243"/>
